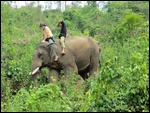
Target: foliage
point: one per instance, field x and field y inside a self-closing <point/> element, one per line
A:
<point x="122" y="84"/>
<point x="50" y="97"/>
<point x="46" y="98"/>
<point x="133" y="25"/>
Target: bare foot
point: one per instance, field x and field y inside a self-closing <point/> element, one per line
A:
<point x="56" y="58"/>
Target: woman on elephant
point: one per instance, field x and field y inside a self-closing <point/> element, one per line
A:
<point x="62" y="35"/>
<point x="47" y="33"/>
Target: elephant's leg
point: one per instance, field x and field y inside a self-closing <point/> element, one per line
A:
<point x="92" y="70"/>
<point x="79" y="83"/>
<point x="70" y="74"/>
<point x="94" y="67"/>
<point x="71" y="68"/>
<point x="54" y="74"/>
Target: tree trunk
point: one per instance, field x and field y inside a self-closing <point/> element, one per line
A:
<point x="63" y="6"/>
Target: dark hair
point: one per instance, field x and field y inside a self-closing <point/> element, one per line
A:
<point x="60" y="22"/>
<point x="42" y="24"/>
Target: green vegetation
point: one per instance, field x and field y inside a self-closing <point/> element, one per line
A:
<point x="122" y="84"/>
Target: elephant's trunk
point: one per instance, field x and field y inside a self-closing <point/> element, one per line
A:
<point x="35" y="67"/>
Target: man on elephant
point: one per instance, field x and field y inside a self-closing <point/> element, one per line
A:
<point x="62" y="35"/>
<point x="47" y="35"/>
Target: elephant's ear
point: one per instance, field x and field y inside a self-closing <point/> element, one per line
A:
<point x="52" y="51"/>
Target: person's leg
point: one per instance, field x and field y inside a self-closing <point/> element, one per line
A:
<point x="62" y="39"/>
<point x="53" y="39"/>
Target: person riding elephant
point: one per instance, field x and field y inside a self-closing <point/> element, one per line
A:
<point x="62" y="35"/>
<point x="82" y="58"/>
<point x="47" y="35"/>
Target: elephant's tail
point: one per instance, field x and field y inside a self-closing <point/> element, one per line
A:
<point x="100" y="48"/>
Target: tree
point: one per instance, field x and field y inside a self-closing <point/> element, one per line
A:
<point x="92" y="3"/>
<point x="48" y="5"/>
<point x="63" y="6"/>
<point x="140" y="6"/>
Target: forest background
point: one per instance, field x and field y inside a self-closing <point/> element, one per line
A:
<point x="122" y="29"/>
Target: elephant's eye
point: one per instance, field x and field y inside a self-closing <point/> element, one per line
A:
<point x="39" y="55"/>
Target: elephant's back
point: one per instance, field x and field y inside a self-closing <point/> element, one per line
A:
<point x="77" y="42"/>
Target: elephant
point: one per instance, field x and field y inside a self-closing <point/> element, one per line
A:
<point x="82" y="57"/>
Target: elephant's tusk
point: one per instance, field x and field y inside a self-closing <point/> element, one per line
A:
<point x="32" y="73"/>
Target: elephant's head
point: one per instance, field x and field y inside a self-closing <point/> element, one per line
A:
<point x="41" y="57"/>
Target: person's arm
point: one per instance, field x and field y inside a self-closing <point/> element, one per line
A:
<point x="63" y="30"/>
<point x="43" y="40"/>
<point x="44" y="36"/>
